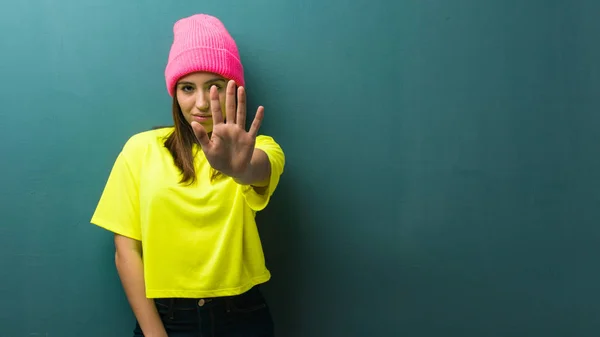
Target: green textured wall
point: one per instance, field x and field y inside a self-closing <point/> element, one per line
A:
<point x="442" y="176"/>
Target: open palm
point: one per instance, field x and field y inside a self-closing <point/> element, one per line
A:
<point x="230" y="147"/>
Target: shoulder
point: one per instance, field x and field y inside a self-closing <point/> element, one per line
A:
<point x="269" y="145"/>
<point x="142" y="141"/>
<point x="272" y="149"/>
<point x="264" y="140"/>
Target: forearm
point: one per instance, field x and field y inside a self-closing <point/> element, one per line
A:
<point x="258" y="171"/>
<point x="130" y="268"/>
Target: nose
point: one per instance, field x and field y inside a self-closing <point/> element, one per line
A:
<point x="203" y="100"/>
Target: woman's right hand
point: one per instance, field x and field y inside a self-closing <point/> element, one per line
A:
<point x="128" y="259"/>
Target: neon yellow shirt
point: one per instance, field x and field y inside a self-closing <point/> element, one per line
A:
<point x="198" y="240"/>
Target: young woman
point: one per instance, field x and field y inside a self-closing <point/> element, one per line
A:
<point x="182" y="200"/>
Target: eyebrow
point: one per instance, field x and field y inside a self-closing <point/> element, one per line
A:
<point x="214" y="80"/>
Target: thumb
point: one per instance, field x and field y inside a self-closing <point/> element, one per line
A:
<point x="201" y="134"/>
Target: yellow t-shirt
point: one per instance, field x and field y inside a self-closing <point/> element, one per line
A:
<point x="198" y="240"/>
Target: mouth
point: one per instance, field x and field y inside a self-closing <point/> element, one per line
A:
<point x="201" y="118"/>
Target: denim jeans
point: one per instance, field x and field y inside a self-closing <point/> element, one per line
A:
<point x="245" y="315"/>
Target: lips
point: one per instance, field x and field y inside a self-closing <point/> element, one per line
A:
<point x="202" y="118"/>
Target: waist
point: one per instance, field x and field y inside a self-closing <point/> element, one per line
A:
<point x="253" y="295"/>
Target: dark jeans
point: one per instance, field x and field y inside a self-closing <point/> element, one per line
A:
<point x="245" y="315"/>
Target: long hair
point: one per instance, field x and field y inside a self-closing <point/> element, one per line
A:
<point x="180" y="144"/>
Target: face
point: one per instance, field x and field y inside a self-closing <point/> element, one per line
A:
<point x="193" y="96"/>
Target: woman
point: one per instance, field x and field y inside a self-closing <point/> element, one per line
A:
<point x="181" y="201"/>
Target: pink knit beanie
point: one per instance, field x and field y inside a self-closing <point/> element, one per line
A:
<point x="202" y="43"/>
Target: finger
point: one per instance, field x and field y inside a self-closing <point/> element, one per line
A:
<point x="260" y="113"/>
<point x="241" y="108"/>
<point x="230" y="102"/>
<point x="215" y="106"/>
<point x="201" y="135"/>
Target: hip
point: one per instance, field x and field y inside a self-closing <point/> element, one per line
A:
<point x="247" y="314"/>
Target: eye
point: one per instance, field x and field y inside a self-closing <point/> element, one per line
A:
<point x="220" y="86"/>
<point x="187" y="88"/>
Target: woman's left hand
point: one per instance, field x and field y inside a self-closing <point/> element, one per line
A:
<point x="230" y="147"/>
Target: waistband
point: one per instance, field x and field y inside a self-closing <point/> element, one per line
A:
<point x="194" y="303"/>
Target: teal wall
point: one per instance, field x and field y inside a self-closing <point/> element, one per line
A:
<point x="443" y="167"/>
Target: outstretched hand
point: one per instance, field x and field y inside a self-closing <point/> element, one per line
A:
<point x="230" y="147"/>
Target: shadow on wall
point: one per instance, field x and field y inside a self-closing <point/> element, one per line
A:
<point x="280" y="224"/>
<point x="281" y="233"/>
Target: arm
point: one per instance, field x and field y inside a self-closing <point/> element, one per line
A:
<point x="258" y="172"/>
<point x="128" y="259"/>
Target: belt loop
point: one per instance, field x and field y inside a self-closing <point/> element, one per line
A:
<point x="171" y="308"/>
<point x="227" y="301"/>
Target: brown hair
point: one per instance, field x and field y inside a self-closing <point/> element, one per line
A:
<point x="180" y="144"/>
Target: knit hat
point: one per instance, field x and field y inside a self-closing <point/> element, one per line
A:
<point x="202" y="43"/>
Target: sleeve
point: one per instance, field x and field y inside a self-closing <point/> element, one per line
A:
<point x="258" y="201"/>
<point x="118" y="207"/>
